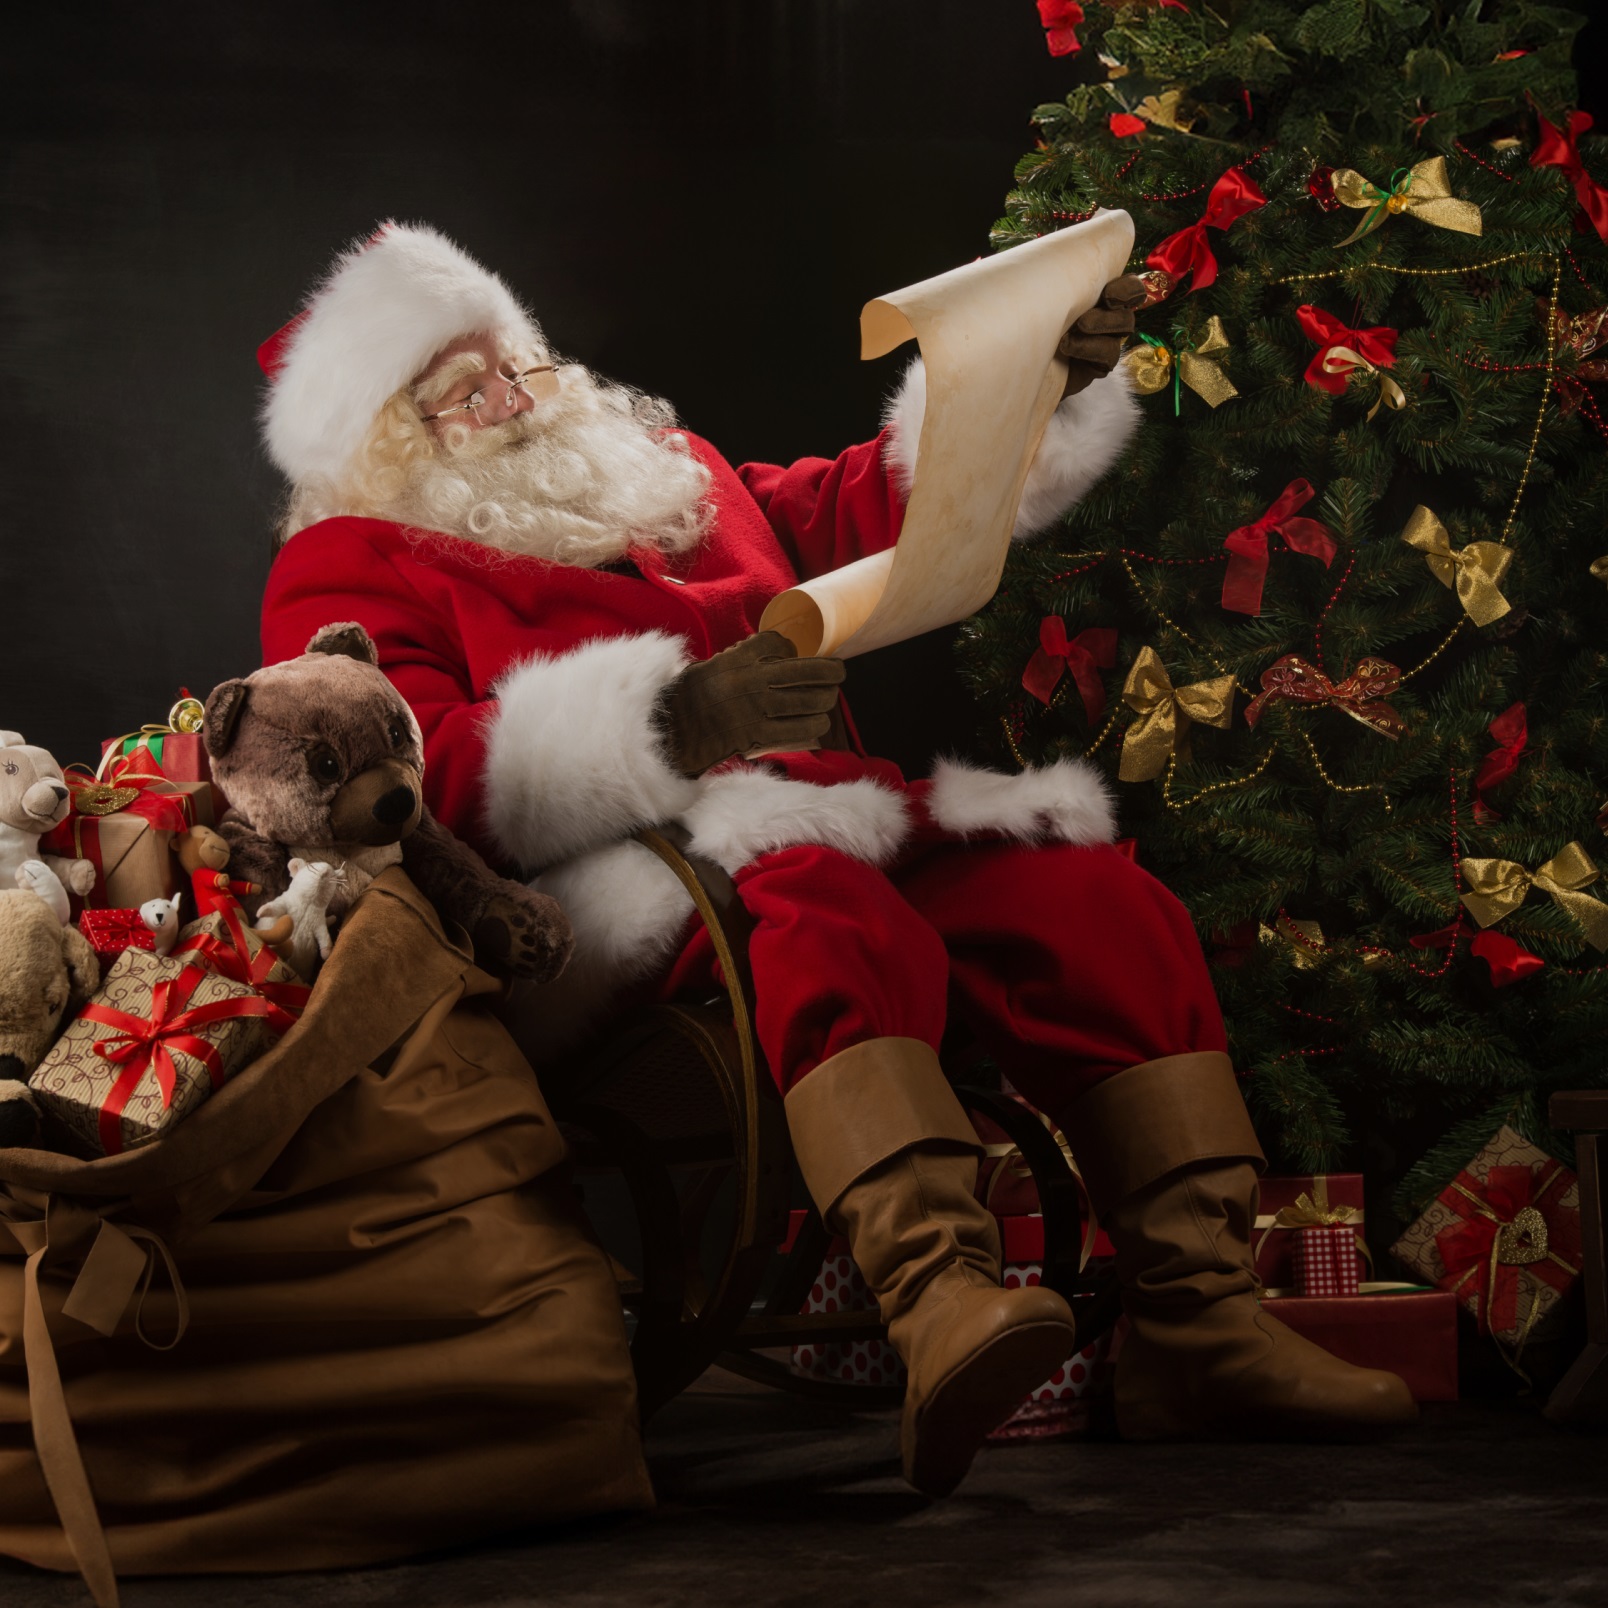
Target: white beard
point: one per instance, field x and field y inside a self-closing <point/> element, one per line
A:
<point x="582" y="479"/>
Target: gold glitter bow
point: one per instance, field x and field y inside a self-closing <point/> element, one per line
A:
<point x="1165" y="714"/>
<point x="1475" y="571"/>
<point x="1163" y="111"/>
<point x="1498" y="887"/>
<point x="1343" y="360"/>
<point x="1423" y="192"/>
<point x="1303" y="939"/>
<point x="1153" y="366"/>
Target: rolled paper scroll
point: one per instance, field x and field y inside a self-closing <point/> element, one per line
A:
<point x="988" y="333"/>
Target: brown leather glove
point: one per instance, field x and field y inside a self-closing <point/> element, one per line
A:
<point x="1093" y="344"/>
<point x="757" y="694"/>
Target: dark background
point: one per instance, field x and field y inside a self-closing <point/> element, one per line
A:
<point x="695" y="197"/>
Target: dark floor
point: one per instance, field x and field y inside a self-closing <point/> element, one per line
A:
<point x="774" y="1501"/>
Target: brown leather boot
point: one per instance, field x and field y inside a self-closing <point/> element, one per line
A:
<point x="1170" y="1159"/>
<point x="891" y="1160"/>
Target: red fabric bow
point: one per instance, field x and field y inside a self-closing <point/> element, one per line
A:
<point x="1060" y="17"/>
<point x="236" y="960"/>
<point x="1361" y="694"/>
<point x="1559" y="148"/>
<point x="1377" y="345"/>
<point x="1189" y="251"/>
<point x="1087" y="652"/>
<point x="1468" y="1248"/>
<point x="1510" y="962"/>
<point x="1511" y="731"/>
<point x="143" y="1044"/>
<point x="1122" y="124"/>
<point x="1247" y="547"/>
<point x="1441" y="938"/>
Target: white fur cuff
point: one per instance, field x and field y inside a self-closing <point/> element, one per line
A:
<point x="575" y="757"/>
<point x="1067" y="802"/>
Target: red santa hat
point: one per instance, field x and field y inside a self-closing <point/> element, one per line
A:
<point x="388" y="306"/>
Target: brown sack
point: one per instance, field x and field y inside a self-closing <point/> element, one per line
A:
<point x="398" y="1333"/>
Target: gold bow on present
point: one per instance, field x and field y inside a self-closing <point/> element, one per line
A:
<point x="1310" y="1211"/>
<point x="1475" y="571"/>
<point x="1343" y="360"/>
<point x="1423" y="192"/>
<point x="1153" y="366"/>
<point x="1498" y="887"/>
<point x="1165" y="714"/>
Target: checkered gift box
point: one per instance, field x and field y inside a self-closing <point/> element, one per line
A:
<point x="1326" y="1259"/>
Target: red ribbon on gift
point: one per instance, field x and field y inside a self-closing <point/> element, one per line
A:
<point x="1189" y="251"/>
<point x="1560" y="148"/>
<point x="1510" y="962"/>
<point x="1361" y="694"/>
<point x="144" y="1044"/>
<point x="1247" y="547"/>
<point x="1082" y="657"/>
<point x="236" y="961"/>
<point x="1377" y="345"/>
<point x="1494" y="1240"/>
<point x="1511" y="731"/>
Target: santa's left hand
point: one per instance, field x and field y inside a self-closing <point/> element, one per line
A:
<point x="1094" y="344"/>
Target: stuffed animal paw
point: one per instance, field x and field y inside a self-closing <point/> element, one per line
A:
<point x="79" y="875"/>
<point x="522" y="937"/>
<point x="37" y="877"/>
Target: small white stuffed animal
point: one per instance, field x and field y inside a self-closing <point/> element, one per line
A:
<point x="161" y="917"/>
<point x="314" y="885"/>
<point x="33" y="799"/>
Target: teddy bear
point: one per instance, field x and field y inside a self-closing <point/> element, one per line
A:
<point x="323" y="762"/>
<point x="34" y="798"/>
<point x="44" y="968"/>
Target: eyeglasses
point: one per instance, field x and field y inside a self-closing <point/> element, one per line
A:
<point x="515" y="382"/>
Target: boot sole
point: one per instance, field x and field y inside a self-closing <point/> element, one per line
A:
<point x="974" y="1400"/>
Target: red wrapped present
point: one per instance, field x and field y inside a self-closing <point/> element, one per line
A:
<point x="158" y="1037"/>
<point x="1327" y="1260"/>
<point x="125" y="827"/>
<point x="1288" y="1204"/>
<point x="1504" y="1238"/>
<point x="221" y="942"/>
<point x="176" y="750"/>
<point x="1408" y="1332"/>
<point x="1005" y="1181"/>
<point x="110" y="932"/>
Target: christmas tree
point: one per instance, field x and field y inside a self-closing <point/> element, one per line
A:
<point x="1334" y="625"/>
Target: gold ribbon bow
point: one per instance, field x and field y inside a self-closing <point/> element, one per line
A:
<point x="1423" y="192"/>
<point x="1151" y="367"/>
<point x="1475" y="571"/>
<point x="1311" y="1211"/>
<point x="1165" y="111"/>
<point x="1343" y="360"/>
<point x="1165" y="714"/>
<point x="1498" y="887"/>
<point x="1302" y="939"/>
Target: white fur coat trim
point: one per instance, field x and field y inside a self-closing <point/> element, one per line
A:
<point x="1084" y="438"/>
<point x="574" y="754"/>
<point x="382" y="312"/>
<point x="1067" y="802"/>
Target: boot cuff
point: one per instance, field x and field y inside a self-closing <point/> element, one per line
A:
<point x="865" y="1104"/>
<point x="1154" y="1118"/>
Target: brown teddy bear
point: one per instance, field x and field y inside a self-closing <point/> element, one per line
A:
<point x="44" y="968"/>
<point x="322" y="761"/>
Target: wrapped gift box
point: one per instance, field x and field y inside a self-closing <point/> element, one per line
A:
<point x="158" y="1037"/>
<point x="110" y="932"/>
<point x="1004" y="1180"/>
<point x="1504" y="1238"/>
<point x="1327" y="1260"/>
<point x="175" y="750"/>
<point x="222" y="942"/>
<point x="1288" y="1204"/>
<point x="1412" y="1333"/>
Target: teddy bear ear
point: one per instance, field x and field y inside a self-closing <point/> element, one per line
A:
<point x="225" y="704"/>
<point x="346" y="640"/>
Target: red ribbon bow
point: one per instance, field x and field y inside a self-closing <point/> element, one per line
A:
<point x="1377" y="345"/>
<point x="1510" y="962"/>
<point x="144" y="1044"/>
<point x="1247" y="547"/>
<point x="1059" y="18"/>
<point x="1189" y="251"/>
<point x="1361" y="694"/>
<point x="1511" y="732"/>
<point x="236" y="960"/>
<point x="1559" y="148"/>
<point x="1468" y="1248"/>
<point x="1087" y="652"/>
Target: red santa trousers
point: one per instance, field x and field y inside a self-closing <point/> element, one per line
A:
<point x="1069" y="963"/>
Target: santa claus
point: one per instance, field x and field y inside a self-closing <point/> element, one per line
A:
<point x="566" y="588"/>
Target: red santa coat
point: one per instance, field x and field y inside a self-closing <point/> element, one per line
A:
<point x="537" y="686"/>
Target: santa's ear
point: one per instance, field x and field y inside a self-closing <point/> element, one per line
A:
<point x="225" y="704"/>
<point x="345" y="640"/>
<point x="83" y="969"/>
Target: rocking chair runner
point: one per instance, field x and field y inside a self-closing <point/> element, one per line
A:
<point x="681" y="1089"/>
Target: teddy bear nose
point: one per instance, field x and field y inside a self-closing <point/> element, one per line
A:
<point x="60" y="792"/>
<point x="394" y="807"/>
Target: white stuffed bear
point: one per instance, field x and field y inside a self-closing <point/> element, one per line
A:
<point x="33" y="799"/>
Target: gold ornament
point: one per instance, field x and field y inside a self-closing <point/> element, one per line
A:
<point x="1423" y="192"/>
<point x="98" y="799"/>
<point x="186" y="715"/>
<point x="1302" y="953"/>
<point x="1342" y="360"/>
<point x="1599" y="569"/>
<point x="1165" y="714"/>
<point x="1475" y="571"/>
<point x="1522" y="1241"/>
<point x="1498" y="887"/>
<point x="1153" y="366"/>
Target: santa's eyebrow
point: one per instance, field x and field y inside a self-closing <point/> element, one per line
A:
<point x="453" y="373"/>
